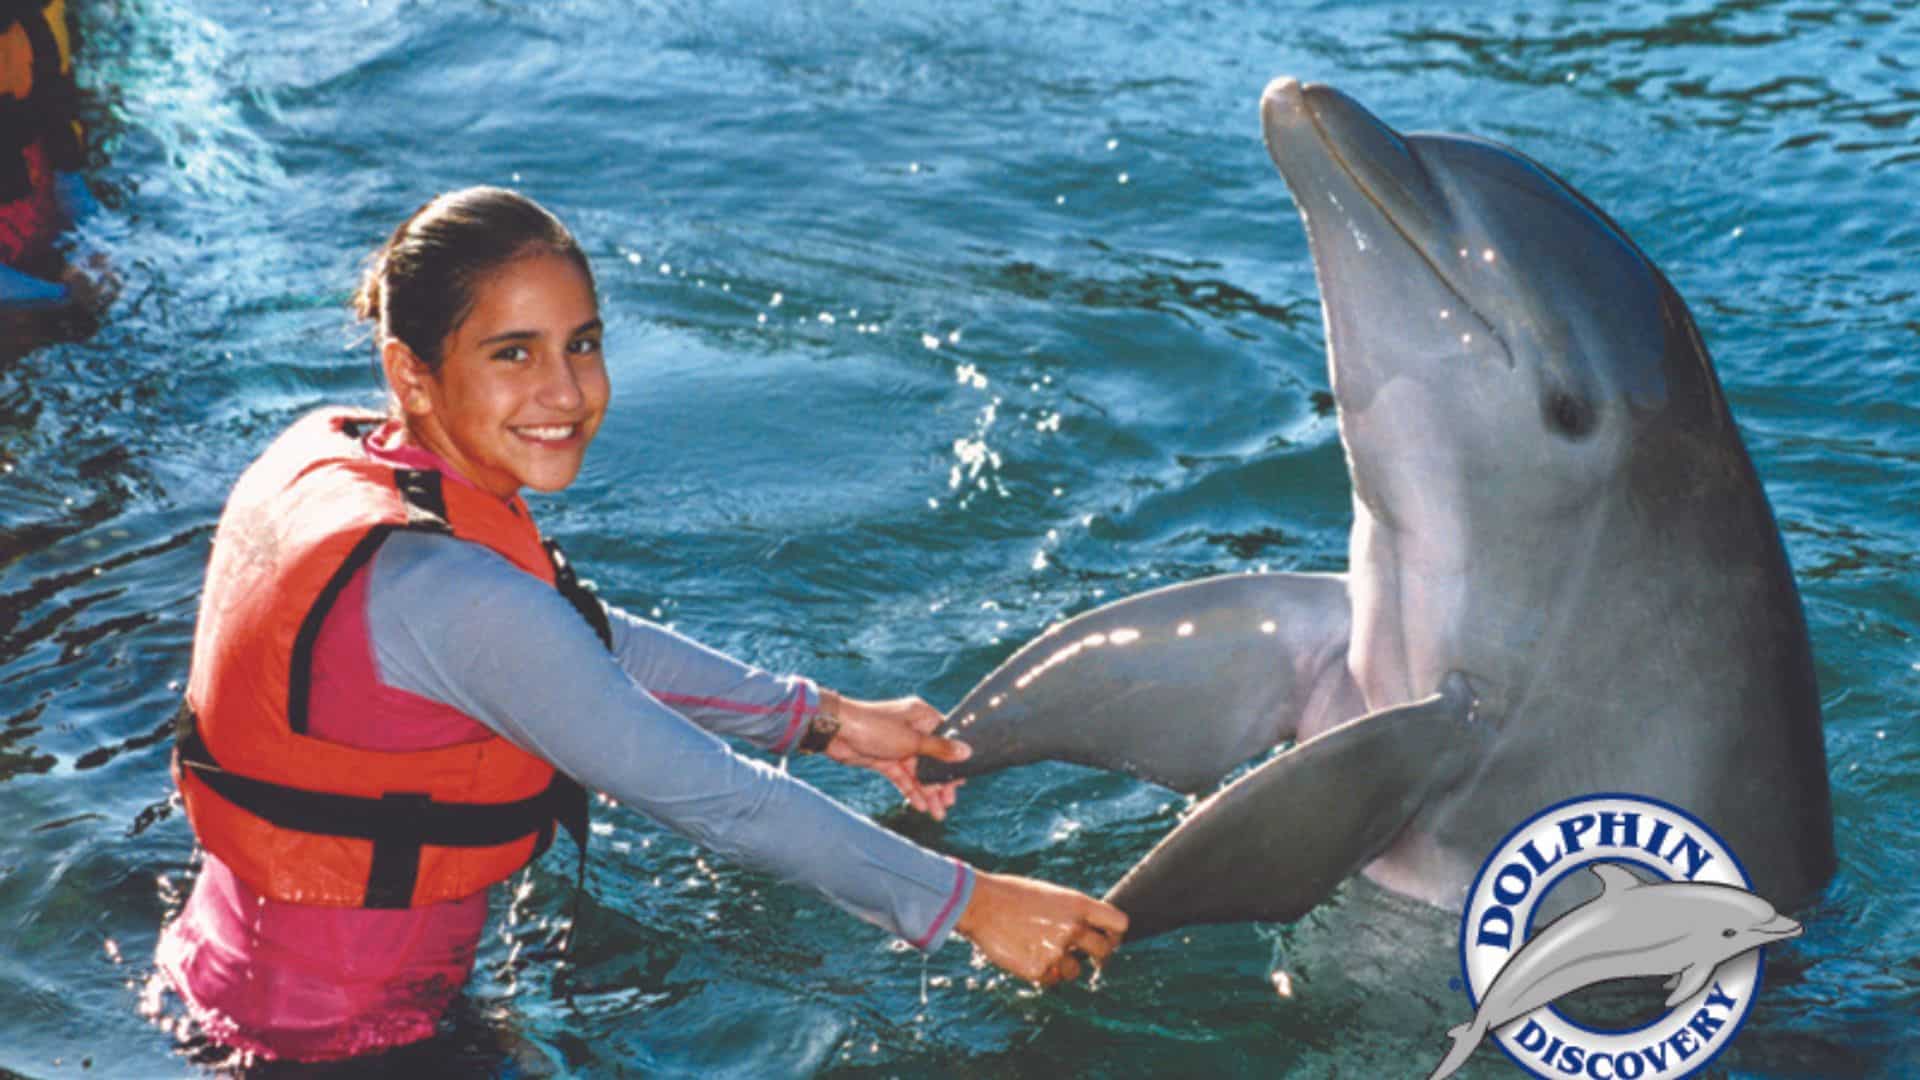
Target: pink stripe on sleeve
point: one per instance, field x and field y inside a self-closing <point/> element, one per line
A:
<point x="700" y="702"/>
<point x="959" y="886"/>
<point x="793" y="725"/>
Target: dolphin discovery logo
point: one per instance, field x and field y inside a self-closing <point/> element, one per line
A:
<point x="1682" y="912"/>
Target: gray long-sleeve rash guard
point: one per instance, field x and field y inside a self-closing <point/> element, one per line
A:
<point x="457" y="624"/>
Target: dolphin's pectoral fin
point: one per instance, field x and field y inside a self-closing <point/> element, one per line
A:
<point x="1275" y="843"/>
<point x="1691" y="979"/>
<point x="1177" y="686"/>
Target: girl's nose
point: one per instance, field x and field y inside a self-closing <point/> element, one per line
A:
<point x="561" y="388"/>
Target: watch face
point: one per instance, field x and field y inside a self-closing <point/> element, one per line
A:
<point x="820" y="731"/>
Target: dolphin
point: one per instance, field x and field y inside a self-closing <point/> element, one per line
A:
<point x="1631" y="929"/>
<point x="1563" y="574"/>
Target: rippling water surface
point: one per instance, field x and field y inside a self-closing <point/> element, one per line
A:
<point x="929" y="323"/>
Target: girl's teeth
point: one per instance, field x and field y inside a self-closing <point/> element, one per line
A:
<point x="547" y="433"/>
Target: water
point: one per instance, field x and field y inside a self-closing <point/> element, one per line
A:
<point x="1039" y="331"/>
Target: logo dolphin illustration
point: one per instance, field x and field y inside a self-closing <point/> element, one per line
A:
<point x="1632" y="928"/>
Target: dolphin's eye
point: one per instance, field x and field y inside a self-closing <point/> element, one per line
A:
<point x="1728" y="932"/>
<point x="1567" y="415"/>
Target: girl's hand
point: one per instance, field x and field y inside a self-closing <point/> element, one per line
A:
<point x="1037" y="931"/>
<point x="888" y="737"/>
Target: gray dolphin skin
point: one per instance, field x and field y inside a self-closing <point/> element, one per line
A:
<point x="1563" y="575"/>
<point x="1631" y="929"/>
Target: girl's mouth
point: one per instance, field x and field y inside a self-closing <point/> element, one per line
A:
<point x="548" y="434"/>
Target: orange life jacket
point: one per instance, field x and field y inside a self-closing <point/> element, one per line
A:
<point x="307" y="820"/>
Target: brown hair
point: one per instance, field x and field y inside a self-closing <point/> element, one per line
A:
<point x="419" y="286"/>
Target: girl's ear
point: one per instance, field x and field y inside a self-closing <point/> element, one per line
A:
<point x="407" y="378"/>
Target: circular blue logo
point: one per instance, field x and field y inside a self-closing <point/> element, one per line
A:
<point x="1673" y="901"/>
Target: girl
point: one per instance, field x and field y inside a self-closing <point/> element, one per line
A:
<point x="395" y="684"/>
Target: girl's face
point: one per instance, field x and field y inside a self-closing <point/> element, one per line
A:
<point x="522" y="386"/>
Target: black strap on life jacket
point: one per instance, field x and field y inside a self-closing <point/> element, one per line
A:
<point x="426" y="504"/>
<point x="578" y="594"/>
<point x="591" y="609"/>
<point x="400" y="823"/>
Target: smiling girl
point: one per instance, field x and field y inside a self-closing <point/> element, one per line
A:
<point x="399" y="688"/>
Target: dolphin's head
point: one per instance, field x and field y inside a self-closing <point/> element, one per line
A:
<point x="1751" y="922"/>
<point x="1720" y="921"/>
<point x="1512" y="373"/>
<point x="1487" y="327"/>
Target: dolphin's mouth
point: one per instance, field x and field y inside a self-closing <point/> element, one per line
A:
<point x="1325" y="145"/>
<point x="1373" y="157"/>
<point x="1781" y="928"/>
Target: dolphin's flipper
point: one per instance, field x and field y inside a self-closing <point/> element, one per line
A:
<point x="1691" y="980"/>
<point x="1275" y="842"/>
<point x="1176" y="686"/>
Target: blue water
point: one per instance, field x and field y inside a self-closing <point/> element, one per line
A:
<point x="929" y="323"/>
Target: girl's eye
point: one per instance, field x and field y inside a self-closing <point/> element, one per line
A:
<point x="511" y="353"/>
<point x="585" y="345"/>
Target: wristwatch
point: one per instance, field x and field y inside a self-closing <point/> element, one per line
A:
<point x="820" y="731"/>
